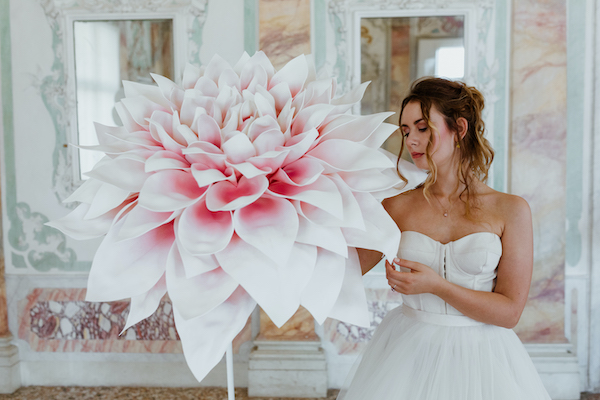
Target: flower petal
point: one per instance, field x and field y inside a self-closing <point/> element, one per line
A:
<point x="269" y="161"/>
<point x="323" y="290"/>
<point x="371" y="180"/>
<point x="141" y="220"/>
<point x="205" y="176"/>
<point x="128" y="268"/>
<point x="323" y="193"/>
<point x="299" y="145"/>
<point x="165" y="160"/>
<point x="216" y="66"/>
<point x="381" y="233"/>
<point x="301" y="172"/>
<point x="260" y="278"/>
<point x="327" y="237"/>
<point x="201" y="231"/>
<point x="198" y="295"/>
<point x="86" y="192"/>
<point x="269" y="224"/>
<point x="191" y="74"/>
<point x="344" y="155"/>
<point x="353" y="216"/>
<point x="207" y="129"/>
<point x="238" y="149"/>
<point x="218" y="329"/>
<point x="351" y="304"/>
<point x="249" y="170"/>
<point x="356" y="128"/>
<point x="144" y="305"/>
<point x="196" y="265"/>
<point x="281" y="95"/>
<point x="311" y="118"/>
<point x="107" y="198"/>
<point x="294" y="73"/>
<point x="227" y="196"/>
<point x="170" y="190"/>
<point x="140" y="108"/>
<point x="112" y="172"/>
<point x="74" y="224"/>
<point x="170" y="90"/>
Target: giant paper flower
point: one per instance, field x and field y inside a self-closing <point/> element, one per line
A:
<point x="242" y="185"/>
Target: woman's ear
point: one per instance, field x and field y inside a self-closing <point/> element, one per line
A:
<point x="463" y="127"/>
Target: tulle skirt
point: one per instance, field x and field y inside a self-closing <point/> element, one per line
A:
<point x="415" y="355"/>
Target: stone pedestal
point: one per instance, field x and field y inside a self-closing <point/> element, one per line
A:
<point x="287" y="369"/>
<point x="10" y="375"/>
<point x="558" y="368"/>
<point x="287" y="361"/>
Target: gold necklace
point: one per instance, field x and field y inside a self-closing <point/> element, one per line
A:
<point x="445" y="211"/>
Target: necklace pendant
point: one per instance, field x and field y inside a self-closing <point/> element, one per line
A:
<point x="445" y="213"/>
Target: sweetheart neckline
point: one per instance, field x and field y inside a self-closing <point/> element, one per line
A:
<point x="456" y="240"/>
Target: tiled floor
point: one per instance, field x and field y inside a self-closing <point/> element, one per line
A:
<point x="120" y="393"/>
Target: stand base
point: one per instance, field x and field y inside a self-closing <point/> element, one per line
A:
<point x="287" y="369"/>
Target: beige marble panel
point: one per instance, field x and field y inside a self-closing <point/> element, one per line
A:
<point x="284" y="30"/>
<point x="538" y="153"/>
<point x="301" y="327"/>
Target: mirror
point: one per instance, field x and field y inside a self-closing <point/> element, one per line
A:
<point x="396" y="51"/>
<point x="106" y="53"/>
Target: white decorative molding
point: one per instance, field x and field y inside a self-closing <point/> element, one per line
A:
<point x="10" y="374"/>
<point x="558" y="368"/>
<point x="593" y="345"/>
<point x="58" y="88"/>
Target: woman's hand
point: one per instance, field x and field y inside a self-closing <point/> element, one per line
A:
<point x="420" y="279"/>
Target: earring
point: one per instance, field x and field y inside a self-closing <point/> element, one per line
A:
<point x="458" y="145"/>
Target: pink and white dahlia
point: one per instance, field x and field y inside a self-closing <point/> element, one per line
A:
<point x="242" y="185"/>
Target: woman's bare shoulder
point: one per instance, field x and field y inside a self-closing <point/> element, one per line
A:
<point x="511" y="209"/>
<point x="401" y="201"/>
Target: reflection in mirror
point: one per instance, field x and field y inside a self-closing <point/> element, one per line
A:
<point x="396" y="51"/>
<point x="106" y="53"/>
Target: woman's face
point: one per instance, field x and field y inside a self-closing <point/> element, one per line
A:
<point x="417" y="133"/>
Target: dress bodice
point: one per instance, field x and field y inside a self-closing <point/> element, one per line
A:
<point x="470" y="261"/>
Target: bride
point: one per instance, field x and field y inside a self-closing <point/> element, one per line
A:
<point x="464" y="267"/>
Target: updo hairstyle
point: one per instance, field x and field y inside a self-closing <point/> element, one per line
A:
<point x="454" y="100"/>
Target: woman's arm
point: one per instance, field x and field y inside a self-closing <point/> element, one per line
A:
<point x="503" y="306"/>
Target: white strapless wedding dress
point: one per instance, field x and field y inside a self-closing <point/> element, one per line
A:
<point x="427" y="350"/>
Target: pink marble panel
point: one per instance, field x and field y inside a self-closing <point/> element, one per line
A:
<point x="60" y="320"/>
<point x="538" y="153"/>
<point x="284" y="29"/>
<point x="351" y="339"/>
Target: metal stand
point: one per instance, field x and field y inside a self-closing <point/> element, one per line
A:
<point x="229" y="363"/>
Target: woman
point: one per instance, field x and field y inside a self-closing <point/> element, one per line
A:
<point x="464" y="267"/>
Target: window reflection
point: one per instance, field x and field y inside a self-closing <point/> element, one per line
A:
<point x="106" y="53"/>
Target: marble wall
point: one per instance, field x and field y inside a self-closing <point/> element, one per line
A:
<point x="538" y="155"/>
<point x="284" y="29"/>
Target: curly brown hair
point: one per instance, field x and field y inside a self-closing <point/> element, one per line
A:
<point x="454" y="100"/>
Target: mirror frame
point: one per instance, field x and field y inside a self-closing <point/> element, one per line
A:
<point x="487" y="55"/>
<point x="59" y="95"/>
<point x="179" y="59"/>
